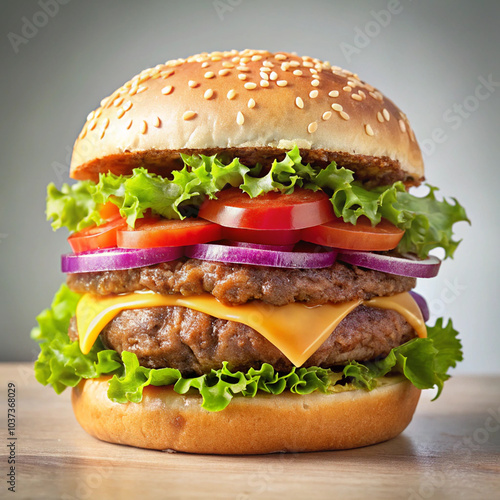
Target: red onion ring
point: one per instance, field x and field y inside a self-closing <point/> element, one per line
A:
<point x="422" y="304"/>
<point x="115" y="259"/>
<point x="406" y="265"/>
<point x="260" y="257"/>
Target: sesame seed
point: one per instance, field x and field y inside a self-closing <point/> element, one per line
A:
<point x="285" y="66"/>
<point x="273" y="75"/>
<point x="144" y="127"/>
<point x="402" y="126"/>
<point x="250" y="85"/>
<point x="245" y="59"/>
<point x="333" y="93"/>
<point x="356" y="97"/>
<point x="83" y="133"/>
<point x="167" y="90"/>
<point x="215" y="58"/>
<point x="129" y="124"/>
<point x="102" y="135"/>
<point x="240" y="119"/>
<point x="227" y="64"/>
<point x="251" y="103"/>
<point x="231" y="94"/>
<point x="98" y="112"/>
<point x="265" y="70"/>
<point x="337" y="107"/>
<point x="307" y="64"/>
<point x="264" y="83"/>
<point x="118" y="101"/>
<point x="264" y="76"/>
<point x="362" y="94"/>
<point x="156" y="122"/>
<point x="106" y="123"/>
<point x="209" y="74"/>
<point x="104" y="101"/>
<point x="281" y="83"/>
<point x="132" y="91"/>
<point x="299" y="102"/>
<point x="189" y="115"/>
<point x="246" y="69"/>
<point x="205" y="64"/>
<point x="326" y="115"/>
<point x="344" y="115"/>
<point x="313" y="94"/>
<point x="347" y="88"/>
<point x="268" y="64"/>
<point x="369" y="130"/>
<point x="223" y="72"/>
<point x="93" y="125"/>
<point x="386" y="114"/>
<point x="257" y="57"/>
<point x="297" y="72"/>
<point x="315" y="83"/>
<point x="193" y="84"/>
<point x="242" y="76"/>
<point x="142" y="88"/>
<point x="313" y="71"/>
<point x="208" y="94"/>
<point x="120" y="113"/>
<point x="294" y="64"/>
<point x="280" y="57"/>
<point x="127" y="105"/>
<point x="380" y="117"/>
<point x="312" y="127"/>
<point x="90" y="116"/>
<point x="166" y="74"/>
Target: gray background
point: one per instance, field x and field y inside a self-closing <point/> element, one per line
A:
<point x="428" y="58"/>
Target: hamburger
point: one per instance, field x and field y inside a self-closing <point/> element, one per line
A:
<point x="244" y="249"/>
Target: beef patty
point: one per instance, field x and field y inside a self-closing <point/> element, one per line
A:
<point x="238" y="283"/>
<point x="195" y="342"/>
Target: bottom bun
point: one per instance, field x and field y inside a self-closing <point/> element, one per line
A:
<point x="165" y="420"/>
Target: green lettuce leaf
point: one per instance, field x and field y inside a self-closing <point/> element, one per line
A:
<point x="428" y="222"/>
<point x="60" y="362"/>
<point x="423" y="361"/>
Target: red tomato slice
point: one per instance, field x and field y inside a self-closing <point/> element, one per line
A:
<point x="362" y="236"/>
<point x="261" y="237"/>
<point x="109" y="211"/>
<point x="95" y="237"/>
<point x="270" y="211"/>
<point x="154" y="232"/>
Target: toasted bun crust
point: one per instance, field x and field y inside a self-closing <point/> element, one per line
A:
<point x="240" y="100"/>
<point x="165" y="420"/>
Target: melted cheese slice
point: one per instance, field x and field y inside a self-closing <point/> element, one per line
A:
<point x="296" y="330"/>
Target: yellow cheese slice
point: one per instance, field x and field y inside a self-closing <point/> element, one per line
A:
<point x="296" y="330"/>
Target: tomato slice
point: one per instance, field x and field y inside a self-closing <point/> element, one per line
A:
<point x="95" y="237"/>
<point x="362" y="236"/>
<point x="262" y="237"/>
<point x="109" y="211"/>
<point x="153" y="232"/>
<point x="270" y="211"/>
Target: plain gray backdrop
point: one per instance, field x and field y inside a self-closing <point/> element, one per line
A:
<point x="59" y="60"/>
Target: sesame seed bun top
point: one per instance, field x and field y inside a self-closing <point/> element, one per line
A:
<point x="248" y="101"/>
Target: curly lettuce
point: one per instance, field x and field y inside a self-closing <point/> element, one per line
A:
<point x="424" y="362"/>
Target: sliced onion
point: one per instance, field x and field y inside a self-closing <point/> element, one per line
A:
<point x="407" y="265"/>
<point x="115" y="259"/>
<point x="260" y="257"/>
<point x="258" y="246"/>
<point x="422" y="304"/>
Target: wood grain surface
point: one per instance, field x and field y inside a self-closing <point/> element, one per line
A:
<point x="450" y="450"/>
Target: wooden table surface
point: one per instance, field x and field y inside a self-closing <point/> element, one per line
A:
<point x="450" y="450"/>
